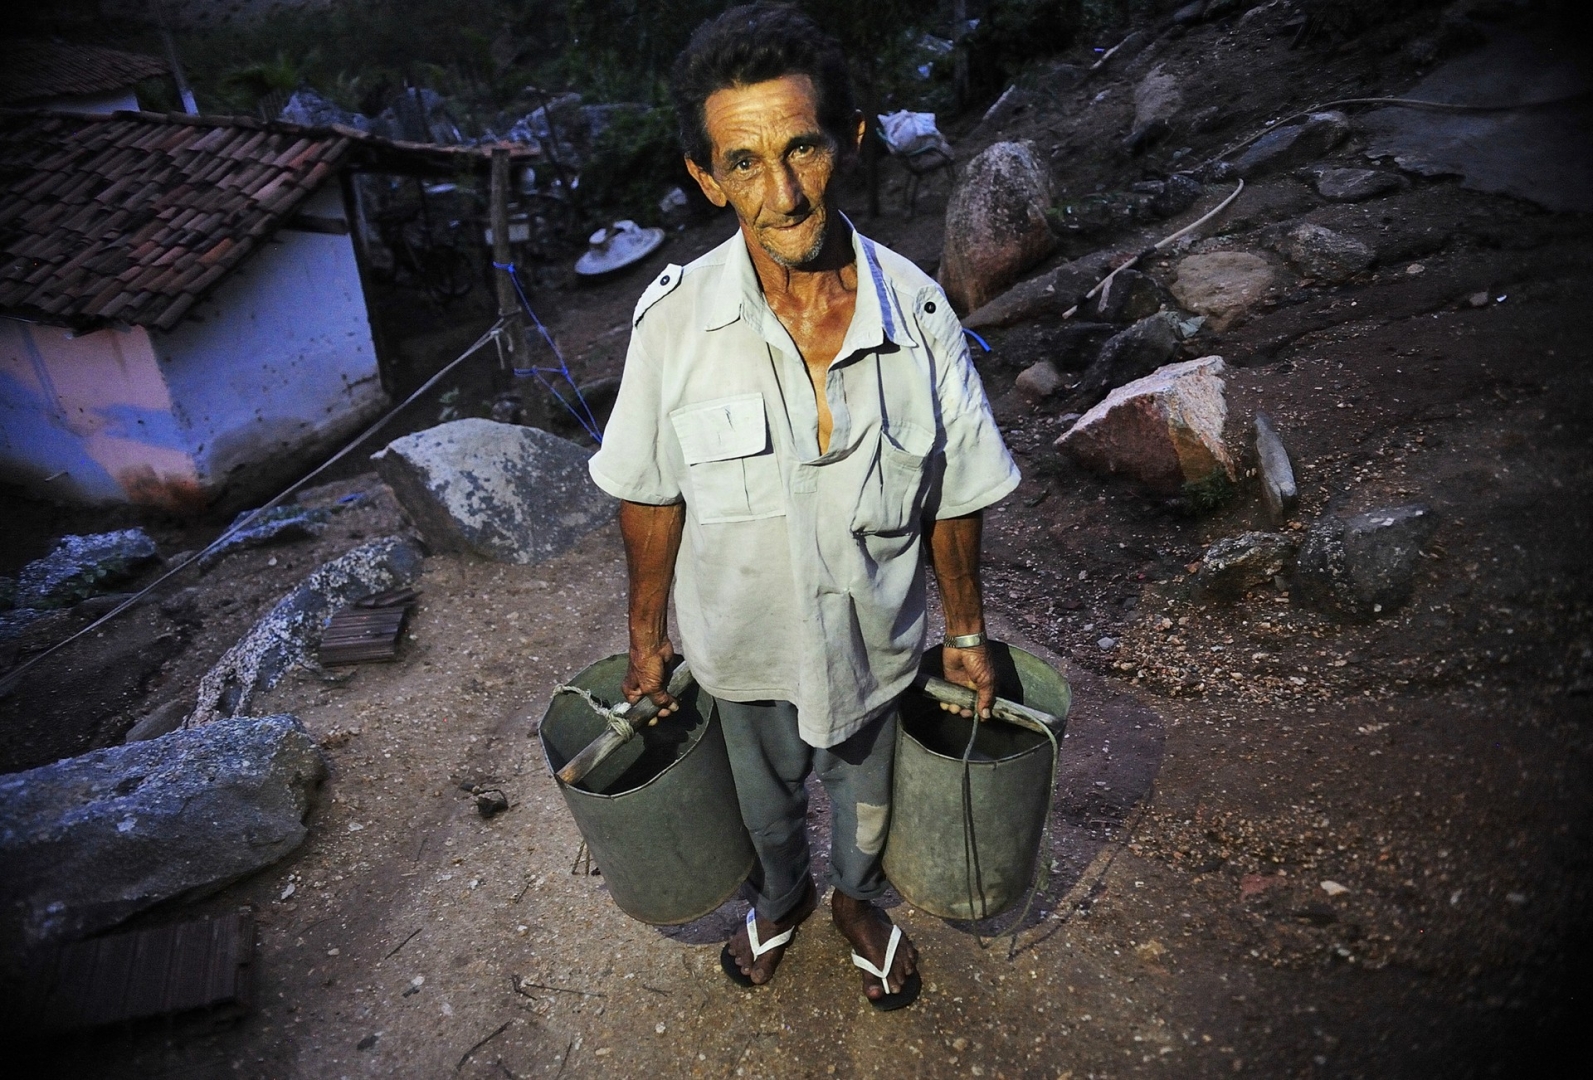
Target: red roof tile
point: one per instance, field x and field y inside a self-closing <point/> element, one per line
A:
<point x="33" y="70"/>
<point x="92" y="187"/>
<point x="96" y="211"/>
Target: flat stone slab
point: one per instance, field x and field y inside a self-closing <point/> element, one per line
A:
<point x="1223" y="285"/>
<point x="88" y="841"/>
<point x="505" y="492"/>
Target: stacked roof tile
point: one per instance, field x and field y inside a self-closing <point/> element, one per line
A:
<point x="32" y="70"/>
<point x="132" y="218"/>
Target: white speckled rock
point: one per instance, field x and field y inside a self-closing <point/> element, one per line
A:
<point x="289" y="633"/>
<point x="90" y="840"/>
<point x="504" y="492"/>
<point x="1164" y="431"/>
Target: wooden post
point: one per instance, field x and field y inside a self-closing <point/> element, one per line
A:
<point x="515" y="345"/>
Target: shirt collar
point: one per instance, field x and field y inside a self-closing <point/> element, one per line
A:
<point x="878" y="317"/>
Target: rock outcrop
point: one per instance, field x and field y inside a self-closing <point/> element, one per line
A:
<point x="90" y="840"/>
<point x="1278" y="488"/>
<point x="1353" y="185"/>
<point x="287" y="636"/>
<point x="1047" y="294"/>
<point x="1136" y="352"/>
<point x="995" y="223"/>
<point x="1163" y="431"/>
<point x="505" y="492"/>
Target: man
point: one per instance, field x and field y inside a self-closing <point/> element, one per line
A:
<point x="798" y="417"/>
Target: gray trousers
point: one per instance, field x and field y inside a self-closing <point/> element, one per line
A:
<point x="770" y="761"/>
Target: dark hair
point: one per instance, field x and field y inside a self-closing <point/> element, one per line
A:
<point x="752" y="44"/>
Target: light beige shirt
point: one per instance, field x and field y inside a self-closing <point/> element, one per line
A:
<point x="801" y="575"/>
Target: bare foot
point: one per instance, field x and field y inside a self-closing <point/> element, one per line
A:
<point x="869" y="930"/>
<point x="761" y="970"/>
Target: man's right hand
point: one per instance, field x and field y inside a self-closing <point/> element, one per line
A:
<point x="652" y="541"/>
<point x="647" y="675"/>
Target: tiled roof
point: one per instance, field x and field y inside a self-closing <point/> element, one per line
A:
<point x="131" y="218"/>
<point x="31" y="70"/>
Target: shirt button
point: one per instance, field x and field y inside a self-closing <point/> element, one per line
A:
<point x="664" y="280"/>
<point x="930" y="307"/>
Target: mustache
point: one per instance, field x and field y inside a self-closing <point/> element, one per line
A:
<point x="785" y="221"/>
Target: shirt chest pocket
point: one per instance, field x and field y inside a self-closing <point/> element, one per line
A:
<point x="892" y="496"/>
<point x="731" y="470"/>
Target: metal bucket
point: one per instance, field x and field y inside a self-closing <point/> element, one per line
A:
<point x="660" y="814"/>
<point x="932" y="857"/>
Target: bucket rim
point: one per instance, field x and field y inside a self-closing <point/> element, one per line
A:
<point x="1044" y="743"/>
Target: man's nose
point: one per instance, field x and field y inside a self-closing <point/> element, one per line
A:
<point x="785" y="195"/>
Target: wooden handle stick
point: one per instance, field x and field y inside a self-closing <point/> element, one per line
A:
<point x="1010" y="711"/>
<point x="637" y="716"/>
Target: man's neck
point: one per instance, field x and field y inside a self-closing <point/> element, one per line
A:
<point x="820" y="282"/>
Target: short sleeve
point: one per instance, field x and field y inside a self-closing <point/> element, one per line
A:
<point x="634" y="461"/>
<point x="978" y="469"/>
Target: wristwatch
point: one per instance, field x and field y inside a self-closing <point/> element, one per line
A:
<point x="966" y="641"/>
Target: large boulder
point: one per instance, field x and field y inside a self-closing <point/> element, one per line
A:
<point x="505" y="492"/>
<point x="1324" y="254"/>
<point x="1223" y="285"/>
<point x="287" y="637"/>
<point x="88" y="841"/>
<point x="1362" y="566"/>
<point x="1163" y="431"/>
<point x="995" y="223"/>
<point x="1294" y="144"/>
<point x="1136" y="352"/>
<point x="81" y="566"/>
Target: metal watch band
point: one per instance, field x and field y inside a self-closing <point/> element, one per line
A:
<point x="966" y="641"/>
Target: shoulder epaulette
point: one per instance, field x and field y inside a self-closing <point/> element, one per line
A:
<point x="661" y="286"/>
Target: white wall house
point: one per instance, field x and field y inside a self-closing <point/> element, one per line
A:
<point x="270" y="369"/>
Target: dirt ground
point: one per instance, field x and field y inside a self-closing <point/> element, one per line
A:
<point x="1222" y="763"/>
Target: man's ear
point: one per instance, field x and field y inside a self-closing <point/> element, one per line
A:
<point x="705" y="180"/>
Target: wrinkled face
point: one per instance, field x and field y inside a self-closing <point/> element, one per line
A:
<point x="772" y="164"/>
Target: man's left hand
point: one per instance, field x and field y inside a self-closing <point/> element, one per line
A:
<point x="971" y="668"/>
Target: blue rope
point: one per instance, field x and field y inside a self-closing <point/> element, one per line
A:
<point x="983" y="344"/>
<point x="588" y="421"/>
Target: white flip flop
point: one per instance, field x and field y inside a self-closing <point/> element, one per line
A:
<point x="910" y="986"/>
<point x="728" y="962"/>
